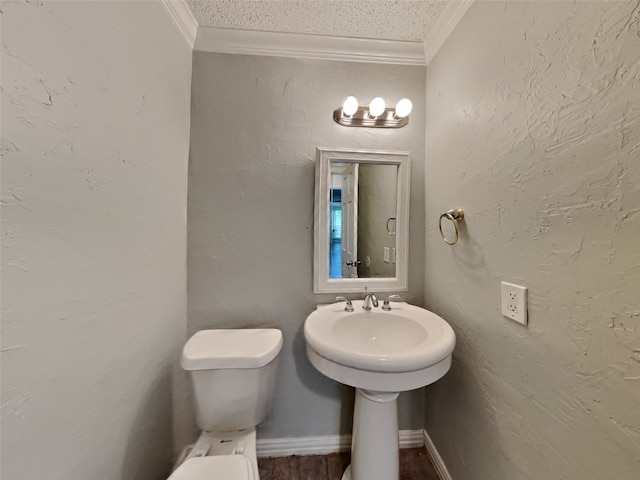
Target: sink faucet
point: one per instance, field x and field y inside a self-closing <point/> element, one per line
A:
<point x="369" y="300"/>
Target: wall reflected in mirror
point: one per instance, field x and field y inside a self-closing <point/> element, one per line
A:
<point x="362" y="220"/>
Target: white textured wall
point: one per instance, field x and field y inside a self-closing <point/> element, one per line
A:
<point x="533" y="127"/>
<point x="95" y="132"/>
<point x="256" y="123"/>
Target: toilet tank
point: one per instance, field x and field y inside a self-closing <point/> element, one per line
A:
<point x="233" y="375"/>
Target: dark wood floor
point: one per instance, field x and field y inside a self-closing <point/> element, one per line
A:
<point x="414" y="465"/>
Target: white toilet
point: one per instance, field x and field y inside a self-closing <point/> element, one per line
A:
<point x="233" y="374"/>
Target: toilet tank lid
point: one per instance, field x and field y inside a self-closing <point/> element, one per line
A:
<point x="242" y="348"/>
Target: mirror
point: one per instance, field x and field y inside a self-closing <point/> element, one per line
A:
<point x="361" y="220"/>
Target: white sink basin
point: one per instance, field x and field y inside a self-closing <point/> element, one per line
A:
<point x="380" y="353"/>
<point x="406" y="348"/>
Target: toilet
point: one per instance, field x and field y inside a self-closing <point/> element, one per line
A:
<point x="233" y="375"/>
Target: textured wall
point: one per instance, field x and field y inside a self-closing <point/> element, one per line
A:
<point x="256" y="123"/>
<point x="533" y="127"/>
<point x="95" y="129"/>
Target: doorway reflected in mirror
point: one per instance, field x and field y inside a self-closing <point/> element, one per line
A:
<point x="335" y="231"/>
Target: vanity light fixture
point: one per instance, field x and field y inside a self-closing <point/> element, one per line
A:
<point x="375" y="115"/>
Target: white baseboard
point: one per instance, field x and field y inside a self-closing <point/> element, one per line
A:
<point x="436" y="459"/>
<point x="282" y="447"/>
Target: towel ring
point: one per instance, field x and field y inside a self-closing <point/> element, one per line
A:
<point x="394" y="230"/>
<point x="455" y="214"/>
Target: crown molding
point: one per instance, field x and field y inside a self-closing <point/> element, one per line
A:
<point x="183" y="18"/>
<point x="446" y="22"/>
<point x="318" y="47"/>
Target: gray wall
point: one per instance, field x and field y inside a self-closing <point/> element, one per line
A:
<point x="533" y="116"/>
<point x="256" y="122"/>
<point x="95" y="137"/>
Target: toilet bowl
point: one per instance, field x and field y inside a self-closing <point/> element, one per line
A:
<point x="233" y="376"/>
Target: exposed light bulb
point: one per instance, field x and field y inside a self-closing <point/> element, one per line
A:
<point x="403" y="108"/>
<point x="350" y="106"/>
<point x="376" y="107"/>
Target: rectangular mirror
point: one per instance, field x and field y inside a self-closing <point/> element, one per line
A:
<point x="361" y="215"/>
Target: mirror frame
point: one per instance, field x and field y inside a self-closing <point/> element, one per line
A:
<point x="321" y="281"/>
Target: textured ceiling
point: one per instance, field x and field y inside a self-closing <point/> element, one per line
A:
<point x="382" y="19"/>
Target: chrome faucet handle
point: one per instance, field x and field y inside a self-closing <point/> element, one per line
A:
<point x="349" y="306"/>
<point x="386" y="306"/>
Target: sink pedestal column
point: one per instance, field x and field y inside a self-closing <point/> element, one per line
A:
<point x="374" y="444"/>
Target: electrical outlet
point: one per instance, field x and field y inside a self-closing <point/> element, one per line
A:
<point x="386" y="254"/>
<point x="514" y="302"/>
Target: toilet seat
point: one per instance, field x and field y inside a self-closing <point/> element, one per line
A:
<point x="228" y="467"/>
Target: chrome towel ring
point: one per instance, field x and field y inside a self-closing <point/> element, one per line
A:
<point x="455" y="215"/>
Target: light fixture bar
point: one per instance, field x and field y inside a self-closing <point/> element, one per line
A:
<point x="361" y="118"/>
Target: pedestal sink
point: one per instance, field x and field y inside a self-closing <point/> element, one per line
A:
<point x="379" y="353"/>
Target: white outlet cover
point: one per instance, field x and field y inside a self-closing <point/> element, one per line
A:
<point x="514" y="302"/>
<point x="386" y="254"/>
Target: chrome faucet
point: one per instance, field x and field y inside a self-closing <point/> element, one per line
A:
<point x="369" y="300"/>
